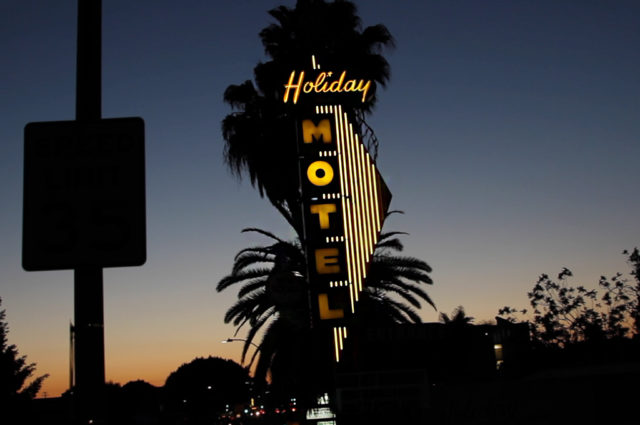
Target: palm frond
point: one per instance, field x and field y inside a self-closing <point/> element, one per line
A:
<point x="391" y="281"/>
<point x="268" y="314"/>
<point x="392" y="244"/>
<point x="410" y="315"/>
<point x="386" y="235"/>
<point x="246" y="306"/>
<point x="401" y="263"/>
<point x="268" y="347"/>
<point x="250" y="258"/>
<point x="231" y="279"/>
<point x="252" y="285"/>
<point x="263" y="232"/>
<point x="266" y="250"/>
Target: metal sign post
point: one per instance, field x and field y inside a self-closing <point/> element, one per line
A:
<point x="87" y="281"/>
<point x="84" y="207"/>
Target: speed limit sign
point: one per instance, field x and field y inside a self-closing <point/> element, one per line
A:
<point x="84" y="194"/>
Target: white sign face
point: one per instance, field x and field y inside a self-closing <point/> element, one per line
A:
<point x="84" y="194"/>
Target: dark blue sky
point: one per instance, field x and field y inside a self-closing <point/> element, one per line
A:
<point x="509" y="135"/>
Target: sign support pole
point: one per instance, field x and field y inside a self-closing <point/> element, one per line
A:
<point x="88" y="283"/>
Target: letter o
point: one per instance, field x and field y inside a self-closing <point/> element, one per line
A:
<point x="325" y="178"/>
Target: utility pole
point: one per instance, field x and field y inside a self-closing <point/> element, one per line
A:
<point x="88" y="284"/>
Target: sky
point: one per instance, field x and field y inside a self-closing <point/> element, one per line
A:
<point x="509" y="136"/>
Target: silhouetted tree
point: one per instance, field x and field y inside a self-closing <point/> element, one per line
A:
<point x="565" y="315"/>
<point x="458" y="317"/>
<point x="562" y="314"/>
<point x="273" y="297"/>
<point x="622" y="298"/>
<point x="198" y="391"/>
<point x="260" y="134"/>
<point x="136" y="402"/>
<point x="14" y="373"/>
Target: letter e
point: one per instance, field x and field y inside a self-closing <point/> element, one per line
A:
<point x="327" y="261"/>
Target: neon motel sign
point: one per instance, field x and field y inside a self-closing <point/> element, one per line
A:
<point x="324" y="84"/>
<point x="344" y="201"/>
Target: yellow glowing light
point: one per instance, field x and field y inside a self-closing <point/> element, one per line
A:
<point x="372" y="205"/>
<point x="375" y="200"/>
<point x="327" y="260"/>
<point x="311" y="131"/>
<point x="358" y="197"/>
<point x="366" y="205"/>
<point x="352" y="206"/>
<point x="363" y="211"/>
<point x="320" y="173"/>
<point x="290" y="86"/>
<point x="346" y="206"/>
<point x="323" y="211"/>
<point x="338" y="126"/>
<point x="357" y="210"/>
<point x="335" y="344"/>
<point x="326" y="313"/>
<point x="324" y="84"/>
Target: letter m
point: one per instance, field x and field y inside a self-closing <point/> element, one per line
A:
<point x="311" y="131"/>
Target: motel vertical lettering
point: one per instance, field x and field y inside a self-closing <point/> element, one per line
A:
<point x="319" y="170"/>
<point x="344" y="198"/>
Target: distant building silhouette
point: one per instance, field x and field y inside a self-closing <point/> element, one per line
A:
<point x="392" y="373"/>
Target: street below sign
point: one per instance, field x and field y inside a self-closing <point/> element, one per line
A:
<point x="84" y="194"/>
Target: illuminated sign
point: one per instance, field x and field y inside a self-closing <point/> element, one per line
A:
<point x="344" y="199"/>
<point x="324" y="82"/>
<point x="344" y="202"/>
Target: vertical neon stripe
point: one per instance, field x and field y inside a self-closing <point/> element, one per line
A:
<point x="375" y="199"/>
<point x="345" y="208"/>
<point x="335" y="344"/>
<point x="356" y="213"/>
<point x="361" y="242"/>
<point x="363" y="205"/>
<point x="370" y="234"/>
<point x="370" y="223"/>
<point x="362" y="218"/>
<point x="351" y="213"/>
<point x="372" y="205"/>
<point x="345" y="203"/>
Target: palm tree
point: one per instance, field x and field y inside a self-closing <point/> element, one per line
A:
<point x="273" y="299"/>
<point x="260" y="134"/>
<point x="458" y="317"/>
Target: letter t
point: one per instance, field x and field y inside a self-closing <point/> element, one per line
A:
<point x="323" y="211"/>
